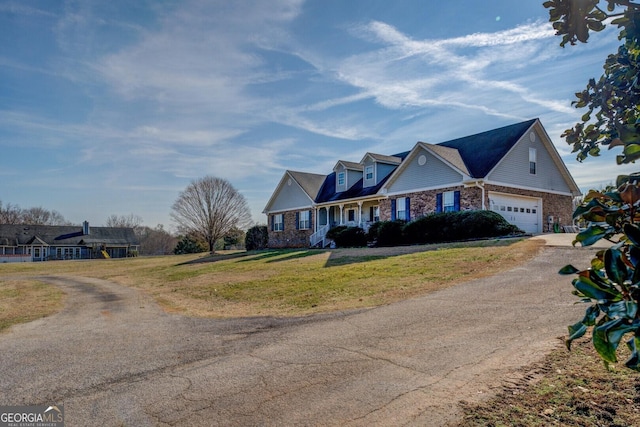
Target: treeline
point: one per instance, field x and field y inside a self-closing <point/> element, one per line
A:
<point x="14" y="214"/>
<point x="153" y="240"/>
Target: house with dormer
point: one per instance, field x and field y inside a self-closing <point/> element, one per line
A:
<point x="514" y="170"/>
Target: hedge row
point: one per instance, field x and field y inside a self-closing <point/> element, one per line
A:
<point x="434" y="228"/>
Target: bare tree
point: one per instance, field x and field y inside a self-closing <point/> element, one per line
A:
<point x="10" y="214"/>
<point x="125" y="221"/>
<point x="42" y="216"/>
<point x="210" y="208"/>
<point x="156" y="241"/>
<point x="13" y="214"/>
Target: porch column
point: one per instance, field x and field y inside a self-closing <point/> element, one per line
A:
<point x="360" y="214"/>
<point x="341" y="216"/>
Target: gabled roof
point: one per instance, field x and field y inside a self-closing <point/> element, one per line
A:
<point x="349" y="165"/>
<point x="451" y="155"/>
<point x="61" y="235"/>
<point x="309" y="182"/>
<point x="381" y="158"/>
<point x="328" y="193"/>
<point x="482" y="152"/>
<point x="474" y="157"/>
<point x="35" y="240"/>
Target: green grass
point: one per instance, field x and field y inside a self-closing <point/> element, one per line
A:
<point x="22" y="301"/>
<point x="294" y="282"/>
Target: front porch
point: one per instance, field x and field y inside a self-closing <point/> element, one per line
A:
<point x="355" y="214"/>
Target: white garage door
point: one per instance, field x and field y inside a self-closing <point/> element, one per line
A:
<point x="525" y="212"/>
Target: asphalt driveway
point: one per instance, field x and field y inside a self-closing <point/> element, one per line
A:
<point x="112" y="357"/>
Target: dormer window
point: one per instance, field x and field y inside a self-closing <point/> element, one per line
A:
<point x="368" y="172"/>
<point x="341" y="179"/>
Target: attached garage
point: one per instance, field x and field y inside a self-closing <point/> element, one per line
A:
<point x="524" y="212"/>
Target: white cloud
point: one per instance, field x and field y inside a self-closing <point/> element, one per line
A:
<point x="21" y="9"/>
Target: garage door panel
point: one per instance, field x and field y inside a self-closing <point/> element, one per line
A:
<point x="524" y="212"/>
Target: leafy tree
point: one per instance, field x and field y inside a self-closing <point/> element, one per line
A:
<point x="257" y="238"/>
<point x="234" y="238"/>
<point x="612" y="118"/>
<point x="189" y="245"/>
<point x="612" y="284"/>
<point x="209" y="208"/>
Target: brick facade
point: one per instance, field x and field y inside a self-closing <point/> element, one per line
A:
<point x="290" y="237"/>
<point x="424" y="202"/>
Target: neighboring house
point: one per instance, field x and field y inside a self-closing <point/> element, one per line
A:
<point x="20" y="242"/>
<point x="514" y="170"/>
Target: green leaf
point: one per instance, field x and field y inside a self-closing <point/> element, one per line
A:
<point x="605" y="349"/>
<point x="590" y="236"/>
<point x="575" y="331"/>
<point x="596" y="25"/>
<point x="590" y="289"/>
<point x="632" y="232"/>
<point x="607" y="336"/>
<point x="619" y="328"/>
<point x="595" y="210"/>
<point x="634" y="360"/>
<point x="614" y="265"/>
<point x="568" y="269"/>
<point x="621" y="309"/>
<point x="590" y="316"/>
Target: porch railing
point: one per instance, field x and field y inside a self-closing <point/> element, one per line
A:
<point x="319" y="235"/>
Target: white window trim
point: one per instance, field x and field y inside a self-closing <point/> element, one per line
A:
<point x="343" y="176"/>
<point x="368" y="170"/>
<point x="533" y="158"/>
<point x="278" y="222"/>
<point x="448" y="201"/>
<point x="304" y="222"/>
<point x="401" y="211"/>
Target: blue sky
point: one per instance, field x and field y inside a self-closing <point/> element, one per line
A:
<point x="113" y="107"/>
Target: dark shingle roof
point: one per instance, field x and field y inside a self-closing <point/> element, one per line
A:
<point x="482" y="152"/>
<point x="328" y="193"/>
<point x="21" y="234"/>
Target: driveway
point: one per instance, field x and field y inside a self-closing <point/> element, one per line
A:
<point x="112" y="357"/>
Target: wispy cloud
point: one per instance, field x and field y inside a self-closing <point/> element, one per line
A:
<point x="20" y="8"/>
<point x="151" y="95"/>
<point x="456" y="72"/>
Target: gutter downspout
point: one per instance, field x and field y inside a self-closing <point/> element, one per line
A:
<point x="480" y="185"/>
